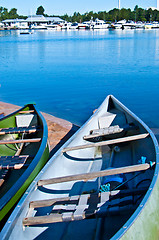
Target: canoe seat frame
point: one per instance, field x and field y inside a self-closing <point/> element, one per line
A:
<point x="83" y="206"/>
<point x="15" y="130"/>
<point x="13" y="162"/>
<point x="103" y="132"/>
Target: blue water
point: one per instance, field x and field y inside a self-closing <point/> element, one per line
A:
<point x="68" y="74"/>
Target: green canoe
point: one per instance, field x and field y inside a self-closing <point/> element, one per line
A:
<point x="23" y="152"/>
<point x="102" y="184"/>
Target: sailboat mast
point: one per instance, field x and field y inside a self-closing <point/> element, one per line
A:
<point x="119" y="4"/>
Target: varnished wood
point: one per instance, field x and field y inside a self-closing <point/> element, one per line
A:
<point x="47" y="202"/>
<point x="108" y="142"/>
<point x="3" y="175"/>
<point x="114" y="194"/>
<point x="19" y="150"/>
<point x="26" y="111"/>
<point x="1" y="182"/>
<point x="103" y="132"/>
<point x="92" y="175"/>
<point x="13" y="162"/>
<point x="15" y="130"/>
<point x="20" y="141"/>
<point x="42" y="219"/>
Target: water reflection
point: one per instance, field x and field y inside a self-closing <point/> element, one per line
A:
<point x="69" y="73"/>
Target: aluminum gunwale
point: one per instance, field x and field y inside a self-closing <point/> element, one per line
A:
<point x="20" y="182"/>
<point x="138" y="211"/>
<point x="6" y="231"/>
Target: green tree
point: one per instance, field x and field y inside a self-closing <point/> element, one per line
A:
<point x="102" y="15"/>
<point x="3" y="13"/>
<point x="13" y="13"/>
<point x="136" y="8"/>
<point x="66" y="18"/>
<point x="155" y="15"/>
<point x="40" y="10"/>
<point x="114" y="15"/>
<point x="140" y="15"/>
<point x="124" y="14"/>
<point x="149" y="15"/>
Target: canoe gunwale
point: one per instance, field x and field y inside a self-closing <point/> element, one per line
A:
<point x="6" y="231"/>
<point x="24" y="177"/>
<point x="139" y="210"/>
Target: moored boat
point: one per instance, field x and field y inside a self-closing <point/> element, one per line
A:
<point x="101" y="184"/>
<point x="74" y="26"/>
<point x="23" y="152"/>
<point x="83" y="26"/>
<point x="66" y="26"/>
<point x="100" y="24"/>
<point x="26" y="32"/>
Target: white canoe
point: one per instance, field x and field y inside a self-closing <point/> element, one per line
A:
<point x="101" y="184"/>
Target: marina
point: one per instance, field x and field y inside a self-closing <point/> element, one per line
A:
<point x="118" y="62"/>
<point x="43" y="23"/>
<point x="100" y="174"/>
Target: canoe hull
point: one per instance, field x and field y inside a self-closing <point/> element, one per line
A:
<point x="144" y="223"/>
<point x="136" y="225"/>
<point x="9" y="200"/>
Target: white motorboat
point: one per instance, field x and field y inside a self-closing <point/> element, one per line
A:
<point x="100" y="24"/>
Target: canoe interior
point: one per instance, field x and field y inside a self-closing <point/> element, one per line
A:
<point x="29" y="149"/>
<point x="93" y="159"/>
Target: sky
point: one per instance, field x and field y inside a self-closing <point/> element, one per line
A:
<point x="60" y="7"/>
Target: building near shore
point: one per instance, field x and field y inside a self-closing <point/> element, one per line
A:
<point x="15" y="23"/>
<point x="36" y="20"/>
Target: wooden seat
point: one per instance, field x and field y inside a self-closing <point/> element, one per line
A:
<point x="12" y="162"/>
<point x="82" y="206"/>
<point x="103" y="132"/>
<point x="95" y="133"/>
<point x="30" y="129"/>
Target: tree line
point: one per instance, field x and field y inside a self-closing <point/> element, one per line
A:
<point x="138" y="14"/>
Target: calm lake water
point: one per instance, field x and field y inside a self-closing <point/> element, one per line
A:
<point x="68" y="74"/>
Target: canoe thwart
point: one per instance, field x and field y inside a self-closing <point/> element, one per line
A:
<point x="14" y="130"/>
<point x="20" y="141"/>
<point x="108" y="142"/>
<point x="12" y="162"/>
<point x="92" y="175"/>
<point x="27" y="111"/>
<point x="83" y="206"/>
<point x="101" y="132"/>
